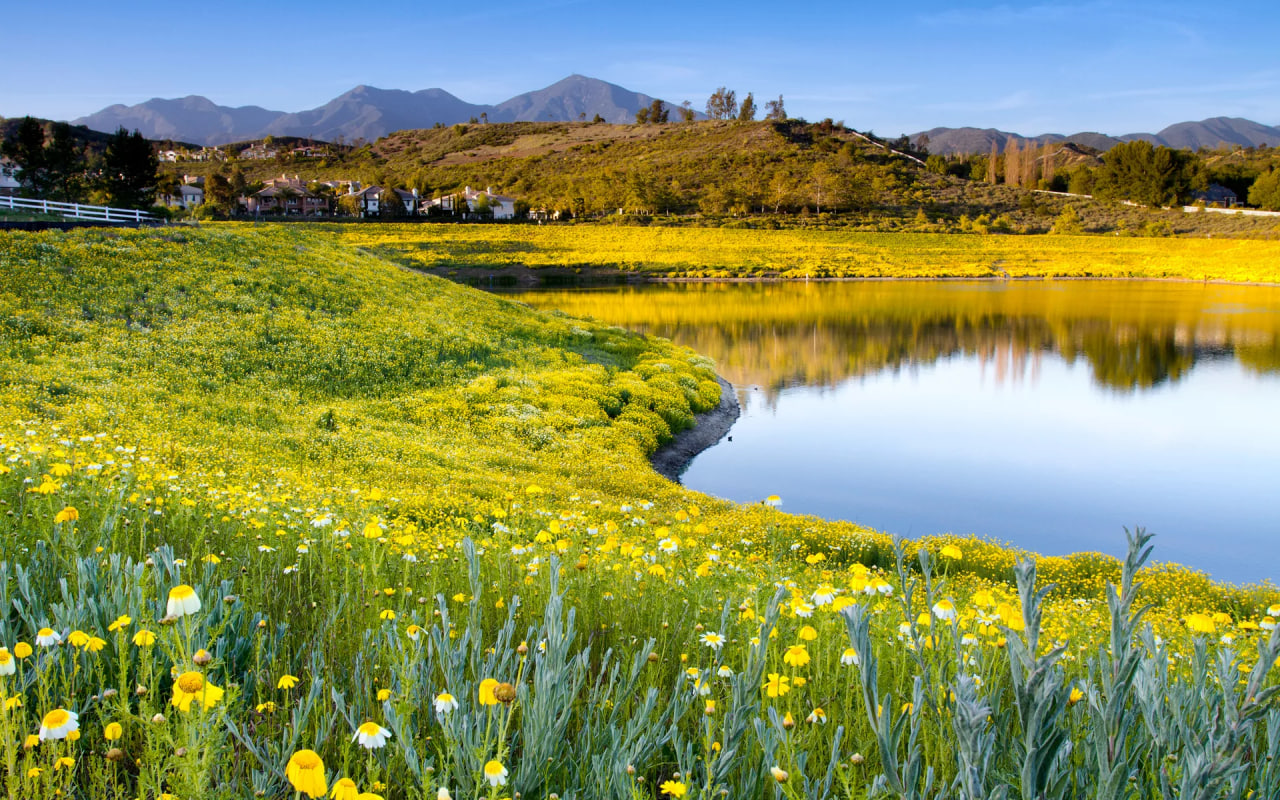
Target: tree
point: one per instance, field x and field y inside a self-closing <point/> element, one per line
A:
<point x="658" y="113"/>
<point x="129" y="170"/>
<point x="65" y="164"/>
<point x="1152" y="176"/>
<point x="1012" y="164"/>
<point x="218" y="194"/>
<point x="25" y="147"/>
<point x="390" y="206"/>
<point x="642" y="116"/>
<point x="723" y="104"/>
<point x="686" y="111"/>
<point x="774" y="110"/>
<point x="1265" y="191"/>
<point x="748" y="111"/>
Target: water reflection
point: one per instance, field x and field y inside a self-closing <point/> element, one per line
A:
<point x="1133" y="335"/>
<point x="1047" y="414"/>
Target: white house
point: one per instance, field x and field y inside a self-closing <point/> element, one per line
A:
<point x="9" y="184"/>
<point x="503" y="207"/>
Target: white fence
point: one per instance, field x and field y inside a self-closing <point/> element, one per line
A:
<point x="78" y="210"/>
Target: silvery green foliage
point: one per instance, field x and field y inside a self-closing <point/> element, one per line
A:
<point x="910" y="779"/>
<point x="1040" y="694"/>
<point x="1117" y="748"/>
<point x="1207" y="731"/>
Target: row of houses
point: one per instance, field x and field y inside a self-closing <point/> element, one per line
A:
<point x="292" y="196"/>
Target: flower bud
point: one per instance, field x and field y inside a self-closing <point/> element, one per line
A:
<point x="505" y="693"/>
<point x="523" y="649"/>
<point x="653" y="658"/>
<point x="180" y="752"/>
<point x="780" y="775"/>
<point x="115" y="754"/>
<point x="158" y="719"/>
<point x="109" y="693"/>
<point x="856" y="758"/>
<point x="202" y="658"/>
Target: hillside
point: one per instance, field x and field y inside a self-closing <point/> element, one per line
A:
<point x="281" y="514"/>
<point x="759" y="174"/>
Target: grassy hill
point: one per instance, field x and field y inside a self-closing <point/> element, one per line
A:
<point x="387" y="494"/>
<point x="756" y="174"/>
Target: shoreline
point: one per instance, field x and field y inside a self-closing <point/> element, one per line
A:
<point x="520" y="277"/>
<point x="709" y="427"/>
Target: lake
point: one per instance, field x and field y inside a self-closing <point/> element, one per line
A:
<point x="1047" y="414"/>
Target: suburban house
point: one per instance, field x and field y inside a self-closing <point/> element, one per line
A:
<point x="9" y="184"/>
<point x="1217" y="195"/>
<point x="190" y="194"/>
<point x="372" y="199"/>
<point x="503" y="207"/>
<point x="257" y="152"/>
<point x="286" y="195"/>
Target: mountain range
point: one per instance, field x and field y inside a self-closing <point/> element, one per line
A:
<point x="366" y="112"/>
<point x="1211" y="133"/>
<point x="369" y="113"/>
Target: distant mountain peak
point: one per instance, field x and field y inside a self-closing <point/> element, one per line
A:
<point x="366" y="112"/>
<point x="1210" y="133"/>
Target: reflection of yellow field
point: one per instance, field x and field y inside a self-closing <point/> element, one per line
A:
<point x="1133" y="333"/>
<point x="708" y="252"/>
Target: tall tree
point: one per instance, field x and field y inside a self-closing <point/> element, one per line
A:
<point x="723" y="104"/>
<point x="658" y="112"/>
<point x="1265" y="191"/>
<point x="748" y="111"/>
<point x="219" y="195"/>
<point x="991" y="162"/>
<point x="390" y="205"/>
<point x="774" y="110"/>
<point x="686" y="111"/>
<point x="65" y="162"/>
<point x="129" y="170"/>
<point x="1152" y="176"/>
<point x="25" y="147"/>
<point x="1012" y="163"/>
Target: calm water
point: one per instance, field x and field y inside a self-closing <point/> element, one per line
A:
<point x="1047" y="414"/>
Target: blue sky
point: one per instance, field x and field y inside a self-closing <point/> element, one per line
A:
<point x="1114" y="67"/>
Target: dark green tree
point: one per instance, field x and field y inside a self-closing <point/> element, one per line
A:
<point x="723" y="104"/>
<point x="1142" y="173"/>
<point x="1265" y="191"/>
<point x="25" y="147"/>
<point x="642" y="116"/>
<point x="390" y="206"/>
<point x="65" y="164"/>
<point x="658" y="112"/>
<point x="218" y="194"/>
<point x="129" y="170"/>
<point x="748" y="110"/>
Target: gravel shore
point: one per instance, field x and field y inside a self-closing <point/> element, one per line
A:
<point x="709" y="427"/>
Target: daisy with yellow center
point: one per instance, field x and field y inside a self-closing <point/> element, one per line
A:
<point x="344" y="789"/>
<point x="797" y="655"/>
<point x="306" y="772"/>
<point x="192" y="686"/>
<point x="495" y="773"/>
<point x="445" y="703"/>
<point x="8" y="664"/>
<point x="144" y="638"/>
<point x="47" y="637"/>
<point x="58" y="724"/>
<point x="371" y="736"/>
<point x="183" y="600"/>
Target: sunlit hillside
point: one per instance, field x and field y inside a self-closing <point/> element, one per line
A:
<point x="283" y="518"/>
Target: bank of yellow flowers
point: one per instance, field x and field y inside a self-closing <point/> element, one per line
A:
<point x="279" y="519"/>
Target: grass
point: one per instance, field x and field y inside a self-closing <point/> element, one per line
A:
<point x="386" y="489"/>
<point x="720" y="253"/>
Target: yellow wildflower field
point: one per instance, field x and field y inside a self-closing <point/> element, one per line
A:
<point x="282" y="518"/>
